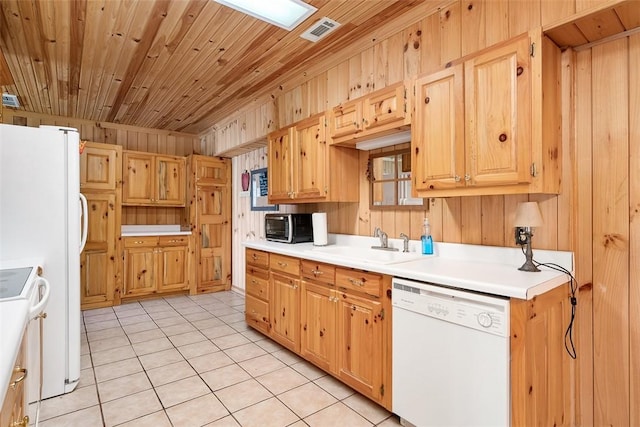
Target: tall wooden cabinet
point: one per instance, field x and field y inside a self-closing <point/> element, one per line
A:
<point x="284" y="300"/>
<point x="490" y="124"/>
<point x="210" y="219"/>
<point x="101" y="183"/>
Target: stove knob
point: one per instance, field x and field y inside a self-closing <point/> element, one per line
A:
<point x="484" y="319"/>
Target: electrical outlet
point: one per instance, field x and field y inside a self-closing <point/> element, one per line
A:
<point x="520" y="236"/>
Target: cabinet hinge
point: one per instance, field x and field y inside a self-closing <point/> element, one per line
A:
<point x="534" y="170"/>
<point x="326" y="190"/>
<point x="381" y="389"/>
<point x="405" y="93"/>
<point x="381" y="314"/>
<point x="532" y="49"/>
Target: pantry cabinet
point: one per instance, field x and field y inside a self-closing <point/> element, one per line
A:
<point x="387" y="110"/>
<point x="210" y="219"/>
<point x="153" y="180"/>
<point x="490" y="124"/>
<point x="100" y="265"/>
<point x="155" y="264"/>
<point x="303" y="168"/>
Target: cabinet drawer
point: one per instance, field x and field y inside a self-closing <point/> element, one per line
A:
<point x="258" y="258"/>
<point x="141" y="241"/>
<point x="257" y="313"/>
<point x="284" y="264"/>
<point x="369" y="283"/>
<point x="317" y="271"/>
<point x="180" y="240"/>
<point x="257" y="284"/>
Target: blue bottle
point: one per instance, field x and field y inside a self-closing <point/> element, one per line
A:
<point x="427" y="241"/>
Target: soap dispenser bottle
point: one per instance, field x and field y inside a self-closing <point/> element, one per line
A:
<point x="427" y="241"/>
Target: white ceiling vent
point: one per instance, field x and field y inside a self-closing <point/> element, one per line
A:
<point x="9" y="100"/>
<point x="320" y="29"/>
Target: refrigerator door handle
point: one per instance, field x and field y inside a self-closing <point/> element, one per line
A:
<point x="85" y="221"/>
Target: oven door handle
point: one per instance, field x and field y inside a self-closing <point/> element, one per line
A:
<point x="39" y="307"/>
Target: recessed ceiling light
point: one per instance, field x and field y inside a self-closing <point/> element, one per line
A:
<point x="285" y="14"/>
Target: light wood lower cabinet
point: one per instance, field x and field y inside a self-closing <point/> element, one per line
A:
<point x="13" y="407"/>
<point x="336" y="318"/>
<point x="157" y="264"/>
<point x="284" y="301"/>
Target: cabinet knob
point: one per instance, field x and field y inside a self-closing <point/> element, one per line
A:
<point x="254" y="256"/>
<point x="457" y="178"/>
<point x="467" y="177"/>
<point x="282" y="264"/>
<point x="356" y="282"/>
<point x="316" y="272"/>
<point x="22" y="423"/>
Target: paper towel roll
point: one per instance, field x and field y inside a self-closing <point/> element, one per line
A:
<point x="319" y="221"/>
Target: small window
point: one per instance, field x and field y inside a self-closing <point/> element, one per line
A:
<point x="390" y="177"/>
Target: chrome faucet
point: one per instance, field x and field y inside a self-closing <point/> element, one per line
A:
<point x="384" y="240"/>
<point x="405" y="242"/>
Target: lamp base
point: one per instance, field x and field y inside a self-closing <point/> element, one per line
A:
<point x="529" y="266"/>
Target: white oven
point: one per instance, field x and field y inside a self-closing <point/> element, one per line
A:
<point x="23" y="279"/>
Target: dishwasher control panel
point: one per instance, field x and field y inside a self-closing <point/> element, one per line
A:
<point x="477" y="311"/>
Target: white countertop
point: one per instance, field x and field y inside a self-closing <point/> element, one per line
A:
<point x="487" y="269"/>
<point x="13" y="322"/>
<point x="153" y="230"/>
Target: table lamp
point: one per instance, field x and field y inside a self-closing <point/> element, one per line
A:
<point x="528" y="216"/>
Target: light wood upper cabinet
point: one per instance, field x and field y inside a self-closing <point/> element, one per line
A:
<point x="303" y="168"/>
<point x="376" y="114"/>
<point x="152" y="180"/>
<point x="98" y="167"/>
<point x="491" y="123"/>
<point x="280" y="164"/>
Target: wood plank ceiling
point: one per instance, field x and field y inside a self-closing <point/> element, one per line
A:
<point x="176" y="65"/>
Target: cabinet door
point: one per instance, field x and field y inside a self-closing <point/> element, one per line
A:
<point x="211" y="171"/>
<point x="385" y="106"/>
<point x="172" y="265"/>
<point x="346" y="119"/>
<point x="98" y="167"/>
<point x="98" y="260"/>
<point x="138" y="179"/>
<point x="310" y="159"/>
<point x="285" y="311"/>
<point x="214" y="238"/>
<point x="498" y="115"/>
<point x="319" y="325"/>
<point x="170" y="181"/>
<point x="360" y="347"/>
<point x="438" y="131"/>
<point x="280" y="152"/>
<point x="140" y="271"/>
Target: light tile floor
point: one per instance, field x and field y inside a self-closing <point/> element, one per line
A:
<point x="192" y="361"/>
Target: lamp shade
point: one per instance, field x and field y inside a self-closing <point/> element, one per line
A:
<point x="528" y="215"/>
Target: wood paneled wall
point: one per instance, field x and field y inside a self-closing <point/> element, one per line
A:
<point x="130" y="138"/>
<point x="595" y="216"/>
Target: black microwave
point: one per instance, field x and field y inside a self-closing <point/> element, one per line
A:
<point x="288" y="228"/>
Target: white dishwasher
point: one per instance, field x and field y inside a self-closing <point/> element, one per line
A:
<point x="450" y="356"/>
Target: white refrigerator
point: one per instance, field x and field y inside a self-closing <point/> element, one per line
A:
<point x="40" y="217"/>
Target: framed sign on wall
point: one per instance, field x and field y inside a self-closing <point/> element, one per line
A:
<point x="259" y="190"/>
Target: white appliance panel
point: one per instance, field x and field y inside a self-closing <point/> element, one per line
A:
<point x="39" y="217"/>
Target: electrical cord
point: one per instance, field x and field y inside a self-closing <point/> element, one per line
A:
<point x="573" y="285"/>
